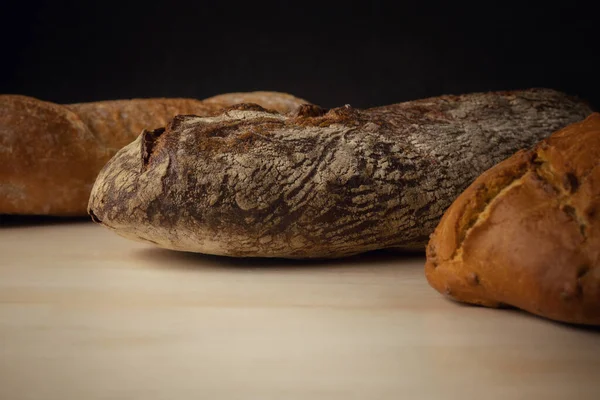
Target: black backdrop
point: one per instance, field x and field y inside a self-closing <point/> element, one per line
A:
<point x="364" y="54"/>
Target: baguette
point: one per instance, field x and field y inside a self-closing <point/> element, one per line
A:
<point x="526" y="233"/>
<point x="316" y="183"/>
<point x="52" y="153"/>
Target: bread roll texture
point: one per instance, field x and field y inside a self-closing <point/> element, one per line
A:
<point x="526" y="233"/>
<point x="316" y="183"/>
<point x="51" y="153"/>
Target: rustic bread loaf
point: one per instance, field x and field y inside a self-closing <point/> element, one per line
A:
<point x="52" y="153"/>
<point x="249" y="182"/>
<point x="526" y="233"/>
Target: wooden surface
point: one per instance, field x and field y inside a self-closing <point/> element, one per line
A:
<point x="85" y="314"/>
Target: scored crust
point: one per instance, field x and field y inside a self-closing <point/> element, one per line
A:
<point x="526" y="233"/>
<point x="316" y="183"/>
<point x="52" y="153"/>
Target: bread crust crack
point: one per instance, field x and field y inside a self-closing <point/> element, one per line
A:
<point x="533" y="241"/>
<point x="482" y="215"/>
<point x="149" y="140"/>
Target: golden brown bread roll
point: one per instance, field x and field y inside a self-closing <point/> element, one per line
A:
<point x="52" y="153"/>
<point x="526" y="233"/>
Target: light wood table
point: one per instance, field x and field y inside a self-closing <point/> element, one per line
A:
<point x="85" y="314"/>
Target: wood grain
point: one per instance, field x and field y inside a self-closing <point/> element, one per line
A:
<point x="85" y="314"/>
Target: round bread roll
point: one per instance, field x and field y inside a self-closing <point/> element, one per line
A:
<point x="526" y="233"/>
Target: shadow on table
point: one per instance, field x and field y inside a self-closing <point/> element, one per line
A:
<point x="13" y="221"/>
<point x="524" y="314"/>
<point x="588" y="328"/>
<point x="183" y="260"/>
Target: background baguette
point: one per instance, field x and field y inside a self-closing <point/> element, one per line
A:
<point x="52" y="153"/>
<point x="316" y="184"/>
<point x="526" y="233"/>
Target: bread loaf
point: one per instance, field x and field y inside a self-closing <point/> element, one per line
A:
<point x="52" y="153"/>
<point x="318" y="183"/>
<point x="526" y="233"/>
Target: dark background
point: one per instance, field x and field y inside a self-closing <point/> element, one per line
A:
<point x="364" y="54"/>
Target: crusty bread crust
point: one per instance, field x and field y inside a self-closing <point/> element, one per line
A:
<point x="52" y="153"/>
<point x="526" y="233"/>
<point x="316" y="183"/>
